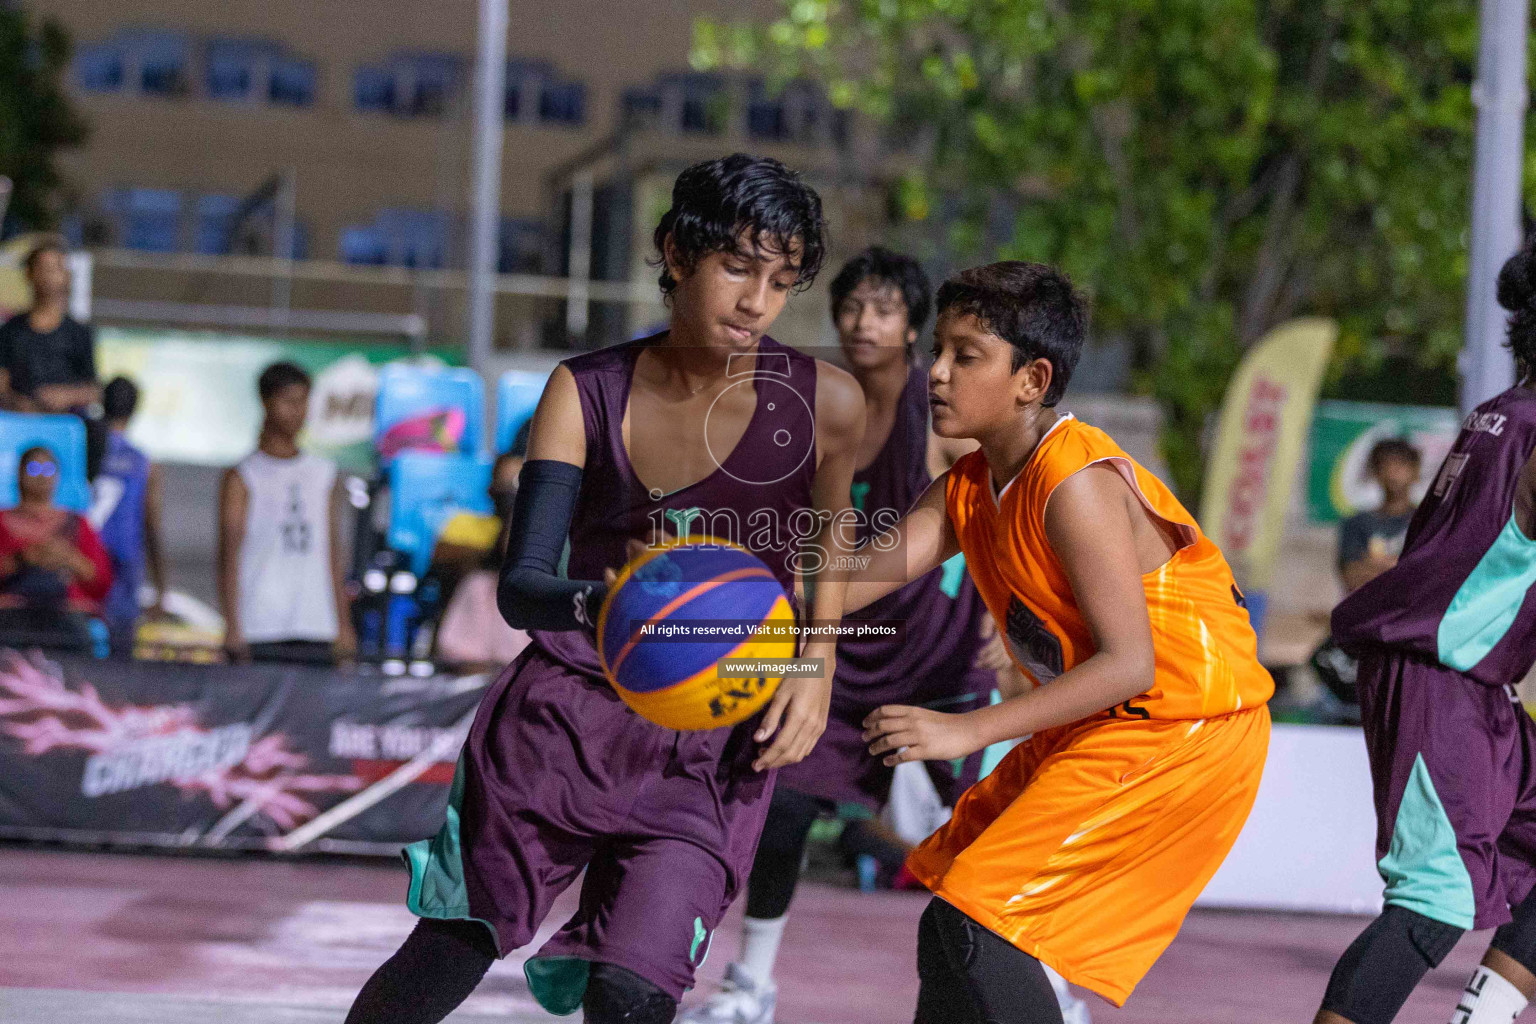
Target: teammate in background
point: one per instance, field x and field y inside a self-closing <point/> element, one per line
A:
<point x="1086" y="846"/>
<point x="125" y="510"/>
<point x="880" y="303"/>
<point x="557" y="774"/>
<point x="281" y="568"/>
<point x="1443" y="637"/>
<point x="1370" y="541"/>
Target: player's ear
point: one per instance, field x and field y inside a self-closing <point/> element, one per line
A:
<point x="1033" y="380"/>
<point x="674" y="261"/>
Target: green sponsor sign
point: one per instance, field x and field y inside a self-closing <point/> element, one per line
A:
<point x="198" y="401"/>
<point x="1343" y="433"/>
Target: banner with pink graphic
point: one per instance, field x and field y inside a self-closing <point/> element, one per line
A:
<point x="276" y="758"/>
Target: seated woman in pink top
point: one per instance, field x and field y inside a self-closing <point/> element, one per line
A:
<point x="54" y="571"/>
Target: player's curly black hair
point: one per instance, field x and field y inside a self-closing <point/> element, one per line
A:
<point x="1031" y="306"/>
<point x="884" y="266"/>
<point x="1517" y="293"/>
<point x="716" y="202"/>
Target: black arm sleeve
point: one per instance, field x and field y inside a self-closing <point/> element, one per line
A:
<point x="531" y="593"/>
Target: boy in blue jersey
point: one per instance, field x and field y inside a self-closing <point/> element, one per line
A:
<point x="125" y="510"/>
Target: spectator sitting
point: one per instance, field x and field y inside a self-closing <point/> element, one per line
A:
<point x="54" y="571"/>
<point x="1369" y="542"/>
<point x="125" y="508"/>
<point x="280" y="552"/>
<point x="473" y="635"/>
<point x="47" y="359"/>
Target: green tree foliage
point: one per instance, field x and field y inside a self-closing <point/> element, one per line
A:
<point x="1205" y="169"/>
<point x="36" y="118"/>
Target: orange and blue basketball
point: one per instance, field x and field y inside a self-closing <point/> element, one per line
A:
<point x="673" y="682"/>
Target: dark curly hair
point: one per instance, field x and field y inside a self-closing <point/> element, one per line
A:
<point x="1031" y="306"/>
<point x="716" y="201"/>
<point x="1517" y="293"/>
<point x="895" y="269"/>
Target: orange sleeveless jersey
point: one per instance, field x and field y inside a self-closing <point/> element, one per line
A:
<point x="1205" y="648"/>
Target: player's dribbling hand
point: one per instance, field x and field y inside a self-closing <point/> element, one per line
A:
<point x="902" y="733"/>
<point x="798" y="712"/>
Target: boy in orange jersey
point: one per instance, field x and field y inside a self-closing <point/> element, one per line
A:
<point x="1147" y="731"/>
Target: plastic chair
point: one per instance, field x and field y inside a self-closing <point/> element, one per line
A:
<point x="432" y="409"/>
<point x="62" y="435"/>
<point x="517" y="395"/>
<point x="425" y="490"/>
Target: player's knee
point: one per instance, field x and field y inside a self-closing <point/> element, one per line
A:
<point x="616" y="995"/>
<point x="1517" y="940"/>
<point x="1378" y="972"/>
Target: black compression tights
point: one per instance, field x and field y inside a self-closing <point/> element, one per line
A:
<point x="435" y="970"/>
<point x="776" y="868"/>
<point x="441" y="962"/>
<point x="969" y="975"/>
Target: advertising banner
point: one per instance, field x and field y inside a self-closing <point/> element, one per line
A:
<point x="198" y="400"/>
<point x="1263" y="429"/>
<point x="1343" y="433"/>
<point x="275" y="758"/>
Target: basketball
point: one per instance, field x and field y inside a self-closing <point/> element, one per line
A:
<point x="671" y="681"/>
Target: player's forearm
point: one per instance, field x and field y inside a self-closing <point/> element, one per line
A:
<point x="829" y="585"/>
<point x="884" y="573"/>
<point x="1102" y="682"/>
<point x="66" y="396"/>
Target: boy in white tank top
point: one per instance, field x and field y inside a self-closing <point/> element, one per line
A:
<point x="281" y="572"/>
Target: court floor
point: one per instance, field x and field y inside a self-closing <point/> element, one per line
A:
<point x="118" y="938"/>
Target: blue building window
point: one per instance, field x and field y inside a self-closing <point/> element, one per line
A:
<point x="373" y="89"/>
<point x="765" y="119"/>
<point x="434" y="86"/>
<point x="521" y="244"/>
<point x="364" y="245"/>
<point x="641" y="107"/>
<point x="563" y="103"/>
<point x="163" y="60"/>
<point x="398" y="237"/>
<point x="99" y="67"/>
<point x="409" y="84"/>
<point x="215" y="219"/>
<point x="704" y="102"/>
<point x="229" y="69"/>
<point x="292" y="82"/>
<point x="152" y="219"/>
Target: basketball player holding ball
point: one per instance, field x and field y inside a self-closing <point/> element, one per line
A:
<point x="558" y="774"/>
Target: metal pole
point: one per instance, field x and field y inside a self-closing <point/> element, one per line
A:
<point x="485" y="185"/>
<point x="577" y="310"/>
<point x="284" y="240"/>
<point x="1500" y="96"/>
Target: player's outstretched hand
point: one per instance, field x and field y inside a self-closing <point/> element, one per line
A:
<point x="902" y="733"/>
<point x="798" y="712"/>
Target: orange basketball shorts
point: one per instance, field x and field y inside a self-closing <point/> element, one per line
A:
<point x="1088" y="844"/>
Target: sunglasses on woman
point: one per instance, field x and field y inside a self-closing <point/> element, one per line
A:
<point x="38" y="467"/>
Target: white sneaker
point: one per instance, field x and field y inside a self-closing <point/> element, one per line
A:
<point x="740" y="1001"/>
